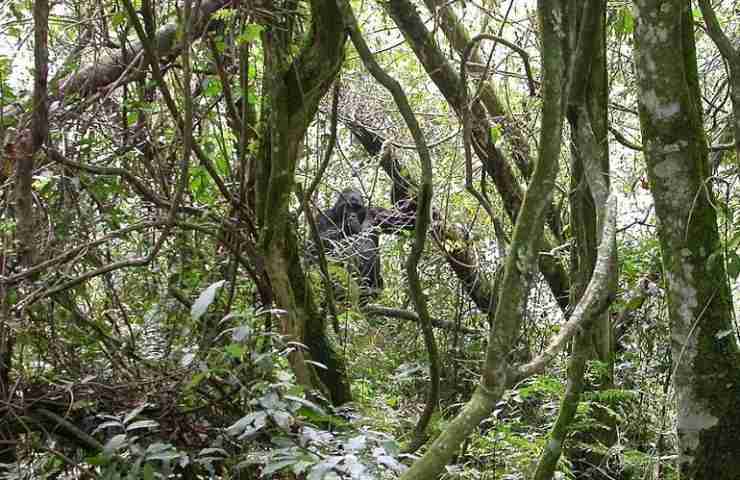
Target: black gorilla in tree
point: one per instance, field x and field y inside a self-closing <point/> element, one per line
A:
<point x="345" y="218"/>
<point x="347" y="231"/>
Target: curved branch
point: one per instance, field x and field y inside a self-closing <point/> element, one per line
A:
<point x="594" y="301"/>
<point x="101" y="74"/>
<point x="423" y="214"/>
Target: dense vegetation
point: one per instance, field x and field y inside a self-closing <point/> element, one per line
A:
<point x="333" y="239"/>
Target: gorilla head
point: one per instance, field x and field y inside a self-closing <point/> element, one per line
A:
<point x="349" y="217"/>
<point x="347" y="214"/>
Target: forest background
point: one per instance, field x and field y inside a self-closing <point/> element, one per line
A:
<point x="547" y="201"/>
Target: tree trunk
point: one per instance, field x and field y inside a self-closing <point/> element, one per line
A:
<point x="520" y="262"/>
<point x="435" y="63"/>
<point x="295" y="89"/>
<point x="587" y="117"/>
<point x="704" y="350"/>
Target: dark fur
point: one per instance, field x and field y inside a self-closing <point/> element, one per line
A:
<point x="345" y="218"/>
<point x="350" y="219"/>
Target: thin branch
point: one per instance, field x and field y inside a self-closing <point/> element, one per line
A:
<point x="380" y="310"/>
<point x="323" y="264"/>
<point x="594" y="301"/>
<point x="522" y="53"/>
<point x="423" y="215"/>
<point x="69" y="254"/>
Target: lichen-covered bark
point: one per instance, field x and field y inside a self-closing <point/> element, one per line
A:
<point x="704" y="350"/>
<point x="295" y="87"/>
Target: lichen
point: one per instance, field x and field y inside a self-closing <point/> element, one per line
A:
<point x="660" y="109"/>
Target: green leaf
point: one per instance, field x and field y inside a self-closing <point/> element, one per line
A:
<point x="134" y="413"/>
<point x="148" y="472"/>
<point x="142" y="424"/>
<point x="235" y="351"/>
<point x="115" y="443"/>
<point x="210" y="451"/>
<point x="250" y="34"/>
<point x="724" y="333"/>
<point x="306" y="403"/>
<point x="495" y="134"/>
<point x="213" y="87"/>
<point x="197" y="378"/>
<point x="274" y="467"/>
<point x="625" y="21"/>
<point x="117" y="19"/>
<point x="166" y="456"/>
<point x="132" y="117"/>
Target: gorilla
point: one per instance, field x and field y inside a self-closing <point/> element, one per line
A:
<point x="368" y="253"/>
<point x="345" y="218"/>
<point x="348" y="232"/>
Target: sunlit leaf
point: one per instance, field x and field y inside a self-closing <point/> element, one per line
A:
<point x="205" y="300"/>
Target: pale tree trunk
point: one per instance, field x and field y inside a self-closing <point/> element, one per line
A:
<point x="587" y="117"/>
<point x="706" y="363"/>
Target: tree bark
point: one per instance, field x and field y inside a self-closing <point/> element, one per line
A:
<point x="587" y="117"/>
<point x="296" y="85"/>
<point x="704" y="350"/>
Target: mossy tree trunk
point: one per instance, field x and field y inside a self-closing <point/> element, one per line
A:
<point x="585" y="47"/>
<point x="705" y="357"/>
<point x="295" y="85"/>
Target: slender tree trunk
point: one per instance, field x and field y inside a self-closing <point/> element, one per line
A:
<point x="705" y="356"/>
<point x="519" y="264"/>
<point x="296" y="85"/>
<point x="27" y="147"/>
<point x="587" y="117"/>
